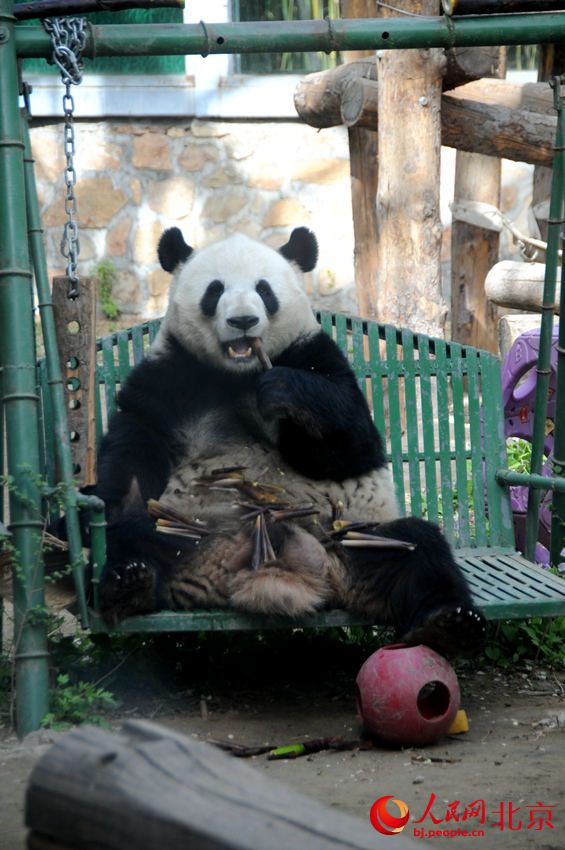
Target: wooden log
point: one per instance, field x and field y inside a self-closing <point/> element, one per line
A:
<point x="363" y="158"/>
<point x="510" y="328"/>
<point x="473" y="120"/>
<point x="518" y="285"/>
<point x="474" y="251"/>
<point x="150" y="788"/>
<point x="492" y="117"/>
<point x="408" y="213"/>
<point x="318" y="96"/>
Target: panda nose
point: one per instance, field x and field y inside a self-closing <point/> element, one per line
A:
<point x="243" y="322"/>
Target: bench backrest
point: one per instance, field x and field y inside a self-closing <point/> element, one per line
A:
<point x="438" y="405"/>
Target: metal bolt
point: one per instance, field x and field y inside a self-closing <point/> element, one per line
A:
<point x="379" y="54"/>
<point x="423" y="101"/>
<point x="4" y="34"/>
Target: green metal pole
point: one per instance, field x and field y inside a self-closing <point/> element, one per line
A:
<point x="17" y="356"/>
<point x="558" y="516"/>
<point x="54" y="379"/>
<point x="298" y="36"/>
<point x="543" y="371"/>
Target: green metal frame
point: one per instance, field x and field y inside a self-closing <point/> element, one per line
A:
<point x="17" y="355"/>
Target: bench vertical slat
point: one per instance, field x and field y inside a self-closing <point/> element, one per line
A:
<point x="48" y="426"/>
<point x="124" y="364"/>
<point x="477" y="467"/>
<point x="377" y="371"/>
<point x="359" y="364"/>
<point x="109" y="373"/>
<point x="341" y="334"/>
<point x="460" y="444"/>
<point x="153" y="327"/>
<point x="412" y="423"/>
<point x="442" y="384"/>
<point x="395" y="419"/>
<point x="137" y="340"/>
<point x="326" y="321"/>
<point x="430" y="465"/>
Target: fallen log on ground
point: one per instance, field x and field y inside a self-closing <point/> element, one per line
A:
<point x="150" y="788"/>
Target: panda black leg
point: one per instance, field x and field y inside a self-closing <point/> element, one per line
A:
<point x="128" y="588"/>
<point x="422" y="593"/>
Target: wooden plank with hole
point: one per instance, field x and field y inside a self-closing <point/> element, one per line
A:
<point x="76" y="339"/>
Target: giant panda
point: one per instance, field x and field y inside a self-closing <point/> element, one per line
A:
<point x="270" y="468"/>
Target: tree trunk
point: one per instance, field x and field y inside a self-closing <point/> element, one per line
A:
<point x="474" y="251"/>
<point x="408" y="219"/>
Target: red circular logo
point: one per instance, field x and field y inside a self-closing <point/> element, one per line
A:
<point x="380" y="815"/>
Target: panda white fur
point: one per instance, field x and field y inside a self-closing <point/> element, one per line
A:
<point x="203" y="428"/>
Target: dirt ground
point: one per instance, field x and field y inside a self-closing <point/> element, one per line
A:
<point x="513" y="753"/>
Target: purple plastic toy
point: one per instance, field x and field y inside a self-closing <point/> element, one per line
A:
<point x="519" y="403"/>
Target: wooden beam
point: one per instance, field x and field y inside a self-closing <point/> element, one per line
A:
<point x="318" y="96"/>
<point x="518" y="285"/>
<point x="151" y="788"/>
<point x="364" y="169"/>
<point x="492" y="117"/>
<point x="409" y="225"/>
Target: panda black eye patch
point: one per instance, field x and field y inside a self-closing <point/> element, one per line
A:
<point x="211" y="297"/>
<point x="269" y="298"/>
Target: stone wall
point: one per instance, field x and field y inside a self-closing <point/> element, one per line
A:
<point x="209" y="178"/>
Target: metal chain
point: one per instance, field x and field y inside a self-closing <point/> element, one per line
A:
<point x="69" y="38"/>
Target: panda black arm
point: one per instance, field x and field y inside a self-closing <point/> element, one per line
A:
<point x="326" y="429"/>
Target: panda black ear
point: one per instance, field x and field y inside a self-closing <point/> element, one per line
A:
<point x="301" y="248"/>
<point x="172" y="249"/>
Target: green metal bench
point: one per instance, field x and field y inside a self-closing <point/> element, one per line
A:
<point x="439" y="405"/>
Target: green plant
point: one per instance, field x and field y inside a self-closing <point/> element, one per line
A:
<point x="105" y="274"/>
<point x="71" y="704"/>
<point x="528" y="642"/>
<point x="519" y="454"/>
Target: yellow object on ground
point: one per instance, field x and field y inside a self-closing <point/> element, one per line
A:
<point x="460" y="724"/>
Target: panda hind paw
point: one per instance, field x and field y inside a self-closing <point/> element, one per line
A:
<point x="127" y="589"/>
<point x="451" y="631"/>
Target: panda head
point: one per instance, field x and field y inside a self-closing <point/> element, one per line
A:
<point x="233" y="291"/>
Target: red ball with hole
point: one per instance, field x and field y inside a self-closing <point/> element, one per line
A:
<point x="407" y="695"/>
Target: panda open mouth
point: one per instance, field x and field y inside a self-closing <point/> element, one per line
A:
<point x="239" y="349"/>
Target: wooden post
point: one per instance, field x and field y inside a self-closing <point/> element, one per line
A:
<point x="550" y="64"/>
<point x="363" y="155"/>
<point x="474" y="251"/>
<point x="408" y="217"/>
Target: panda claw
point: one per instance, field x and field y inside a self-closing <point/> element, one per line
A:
<point x="450" y="631"/>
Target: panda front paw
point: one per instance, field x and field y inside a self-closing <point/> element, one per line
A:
<point x="281" y="395"/>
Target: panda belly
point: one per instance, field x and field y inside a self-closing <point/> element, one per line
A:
<point x="368" y="497"/>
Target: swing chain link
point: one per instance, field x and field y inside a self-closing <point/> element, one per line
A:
<point x="69" y="38"/>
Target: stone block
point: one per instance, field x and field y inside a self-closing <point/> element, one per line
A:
<point x="118" y="236"/>
<point x="156" y="304"/>
<point x="159" y="281"/>
<point x="47" y="151"/>
<point x="151" y="150"/>
<point x="248" y="226"/>
<point x="221" y="177"/>
<point x="145" y="242"/>
<point x="223" y="206"/>
<point x="96" y="154"/>
<point x="209" y="129"/>
<point x="194" y="157"/>
<point x="326" y="171"/>
<point x="172" y="198"/>
<point x="265" y="175"/>
<point x="127" y="290"/>
<point x="135" y="188"/>
<point x="97" y="203"/>
<point x="176" y="132"/>
<point x="285" y="212"/>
